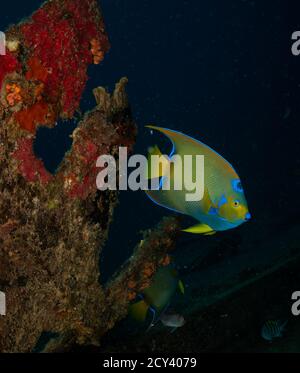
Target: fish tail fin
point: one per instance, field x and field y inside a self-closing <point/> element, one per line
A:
<point x="200" y="229"/>
<point x="138" y="311"/>
<point x="157" y="163"/>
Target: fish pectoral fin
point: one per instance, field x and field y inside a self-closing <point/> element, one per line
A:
<point x="210" y="233"/>
<point x="200" y="229"/>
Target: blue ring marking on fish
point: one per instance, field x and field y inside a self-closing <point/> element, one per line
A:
<point x="237" y="185"/>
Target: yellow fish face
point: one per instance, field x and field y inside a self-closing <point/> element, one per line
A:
<point x="235" y="210"/>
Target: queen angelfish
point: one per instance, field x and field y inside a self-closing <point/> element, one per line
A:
<point x="223" y="205"/>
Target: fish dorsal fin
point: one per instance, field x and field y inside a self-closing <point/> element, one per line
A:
<point x="186" y="145"/>
<point x="182" y="144"/>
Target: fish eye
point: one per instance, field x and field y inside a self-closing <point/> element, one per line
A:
<point x="236" y="203"/>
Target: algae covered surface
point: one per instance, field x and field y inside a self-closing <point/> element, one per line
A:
<point x="82" y="78"/>
<point x="53" y="226"/>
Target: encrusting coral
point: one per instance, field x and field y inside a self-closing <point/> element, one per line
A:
<point x="53" y="227"/>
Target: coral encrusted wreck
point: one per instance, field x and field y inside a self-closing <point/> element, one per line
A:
<point x="52" y="227"/>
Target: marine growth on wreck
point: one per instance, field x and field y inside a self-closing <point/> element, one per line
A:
<point x="53" y="226"/>
<point x="86" y="269"/>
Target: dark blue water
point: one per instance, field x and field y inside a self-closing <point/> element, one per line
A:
<point x="221" y="72"/>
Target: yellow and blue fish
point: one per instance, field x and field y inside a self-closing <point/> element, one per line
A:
<point x="223" y="205"/>
<point x="155" y="299"/>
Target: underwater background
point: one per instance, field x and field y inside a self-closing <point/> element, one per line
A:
<point x="221" y="72"/>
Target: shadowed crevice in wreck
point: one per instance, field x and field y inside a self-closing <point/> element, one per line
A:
<point x="51" y="144"/>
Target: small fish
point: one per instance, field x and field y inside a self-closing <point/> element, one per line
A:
<point x="287" y="113"/>
<point x="173" y="321"/>
<point x="223" y="206"/>
<point x="272" y="329"/>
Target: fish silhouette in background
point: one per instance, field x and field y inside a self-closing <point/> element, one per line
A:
<point x="272" y="329"/>
<point x="173" y="321"/>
